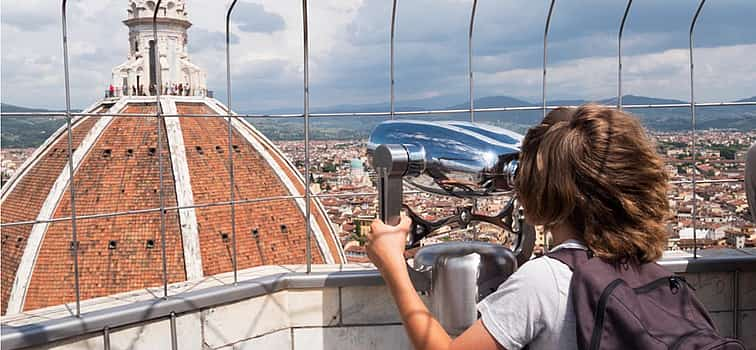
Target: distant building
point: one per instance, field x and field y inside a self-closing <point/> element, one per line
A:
<point x="674" y="152"/>
<point x="737" y="240"/>
<point x="357" y="173"/>
<point x="357" y="168"/>
<point x="362" y="224"/>
<point x="687" y="233"/>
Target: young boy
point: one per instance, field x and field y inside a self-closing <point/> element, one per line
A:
<point x="592" y="177"/>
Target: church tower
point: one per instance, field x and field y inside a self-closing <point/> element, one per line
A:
<point x="172" y="66"/>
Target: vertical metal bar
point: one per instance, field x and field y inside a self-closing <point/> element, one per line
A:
<point x="174" y="340"/>
<point x="736" y="304"/>
<point x="106" y="338"/>
<point x="230" y="148"/>
<point x="391" y="60"/>
<point x="619" y="54"/>
<point x="71" y="183"/>
<point x="306" y="53"/>
<point x="693" y="126"/>
<point x="159" y="116"/>
<point x="545" y="41"/>
<point x="470" y="58"/>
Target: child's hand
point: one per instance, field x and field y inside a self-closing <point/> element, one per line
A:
<point x="385" y="246"/>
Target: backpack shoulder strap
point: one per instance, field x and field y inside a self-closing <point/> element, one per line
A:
<point x="572" y="257"/>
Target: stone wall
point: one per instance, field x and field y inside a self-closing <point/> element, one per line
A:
<point x="360" y="317"/>
<point x="722" y="295"/>
<point x="327" y="310"/>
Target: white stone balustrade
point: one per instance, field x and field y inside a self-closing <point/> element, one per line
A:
<point x="339" y="315"/>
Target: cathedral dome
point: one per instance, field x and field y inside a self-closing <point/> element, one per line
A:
<point x="116" y="171"/>
<point x="116" y="164"/>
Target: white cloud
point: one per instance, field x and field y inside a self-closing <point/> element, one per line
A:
<point x="349" y="54"/>
<point x="722" y="73"/>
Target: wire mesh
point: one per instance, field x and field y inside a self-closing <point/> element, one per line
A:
<point x="156" y="86"/>
<point x="69" y="147"/>
<point x="232" y="182"/>
<point x="693" y="127"/>
<point x="306" y="115"/>
<point x="619" y="54"/>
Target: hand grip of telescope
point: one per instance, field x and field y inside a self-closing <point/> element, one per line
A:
<point x="390" y="162"/>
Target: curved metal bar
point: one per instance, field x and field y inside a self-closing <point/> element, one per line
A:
<point x="391" y="59"/>
<point x="545" y="41"/>
<point x="469" y="60"/>
<point x="264" y="199"/>
<point x="231" y="152"/>
<point x="196" y="206"/>
<point x="71" y="186"/>
<point x="306" y="53"/>
<point x="619" y="54"/>
<point x="158" y="115"/>
<point x="373" y="114"/>
<point x="693" y="125"/>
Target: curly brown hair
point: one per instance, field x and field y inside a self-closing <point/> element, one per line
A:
<point x="595" y="169"/>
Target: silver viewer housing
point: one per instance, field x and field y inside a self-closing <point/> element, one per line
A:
<point x="454" y="158"/>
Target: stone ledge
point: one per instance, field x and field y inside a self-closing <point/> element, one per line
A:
<point x="348" y="296"/>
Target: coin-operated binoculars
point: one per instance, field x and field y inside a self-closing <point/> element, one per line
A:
<point x="457" y="159"/>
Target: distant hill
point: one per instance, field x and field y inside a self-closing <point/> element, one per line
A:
<point x="22" y="132"/>
<point x="30" y="132"/>
<point x="737" y="117"/>
<point x="437" y="102"/>
<point x="566" y="102"/>
<point x="4" y="107"/>
<point x="750" y="99"/>
<point x="640" y="100"/>
<point x="493" y="101"/>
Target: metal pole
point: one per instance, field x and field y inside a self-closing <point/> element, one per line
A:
<point x="158" y="109"/>
<point x="693" y="126"/>
<point x="174" y="339"/>
<point x="736" y="304"/>
<point x="106" y="338"/>
<point x="619" y="54"/>
<point x="545" y="41"/>
<point x="391" y="61"/>
<point x="71" y="183"/>
<point x="469" y="60"/>
<point x="308" y="229"/>
<point x="230" y="148"/>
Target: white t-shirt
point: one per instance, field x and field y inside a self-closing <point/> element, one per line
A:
<point x="533" y="307"/>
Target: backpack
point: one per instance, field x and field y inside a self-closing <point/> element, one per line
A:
<point x="636" y="306"/>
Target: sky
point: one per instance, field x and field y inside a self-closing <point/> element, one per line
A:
<point x="349" y="50"/>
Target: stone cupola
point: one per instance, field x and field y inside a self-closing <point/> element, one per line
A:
<point x="173" y="66"/>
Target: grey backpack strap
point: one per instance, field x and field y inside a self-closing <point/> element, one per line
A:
<point x="572" y="257"/>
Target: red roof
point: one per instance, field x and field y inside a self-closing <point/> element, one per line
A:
<point x="119" y="172"/>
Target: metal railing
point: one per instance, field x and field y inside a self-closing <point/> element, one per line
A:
<point x="306" y="115"/>
<point x="412" y="113"/>
<point x="230" y="141"/>
<point x="693" y="124"/>
<point x="71" y="186"/>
